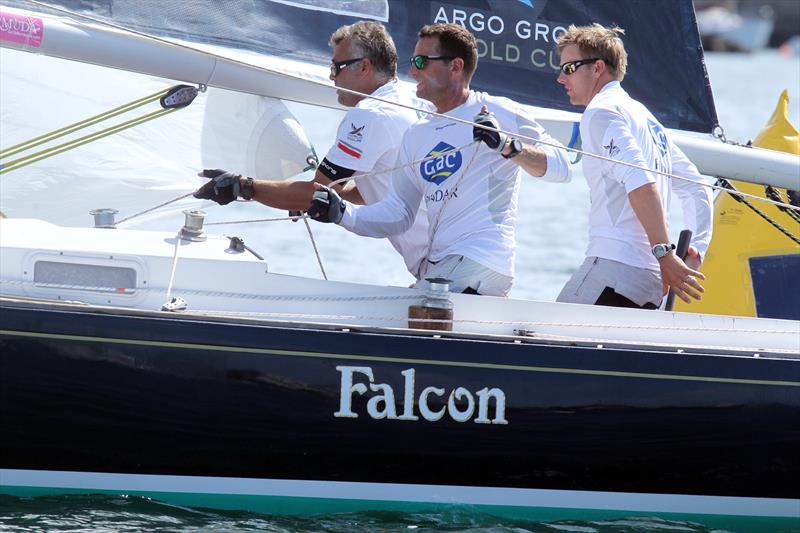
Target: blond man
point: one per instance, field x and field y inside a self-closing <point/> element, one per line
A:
<point x="630" y="260"/>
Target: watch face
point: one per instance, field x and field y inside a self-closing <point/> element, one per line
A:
<point x="660" y="250"/>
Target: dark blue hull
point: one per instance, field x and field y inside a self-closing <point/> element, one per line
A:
<point x="91" y="391"/>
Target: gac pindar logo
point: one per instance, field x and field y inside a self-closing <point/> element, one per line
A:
<point x="440" y="168"/>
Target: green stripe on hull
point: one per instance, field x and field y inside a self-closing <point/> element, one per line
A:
<point x="292" y="505"/>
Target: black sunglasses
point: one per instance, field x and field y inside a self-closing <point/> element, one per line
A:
<point x="419" y="61"/>
<point x="570" y="67"/>
<point x="337" y="66"/>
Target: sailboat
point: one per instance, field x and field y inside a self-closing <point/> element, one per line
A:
<point x="124" y="370"/>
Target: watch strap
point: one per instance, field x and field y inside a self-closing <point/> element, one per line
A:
<point x="515" y="148"/>
<point x="661" y="249"/>
<point x="247" y="190"/>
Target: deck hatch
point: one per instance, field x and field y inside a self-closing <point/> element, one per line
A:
<point x="85" y="276"/>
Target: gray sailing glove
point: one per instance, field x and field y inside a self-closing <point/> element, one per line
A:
<point x="493" y="139"/>
<point x="326" y="206"/>
<point x="223" y="187"/>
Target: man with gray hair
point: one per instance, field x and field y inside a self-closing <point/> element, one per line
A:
<point x="468" y="177"/>
<point x="367" y="141"/>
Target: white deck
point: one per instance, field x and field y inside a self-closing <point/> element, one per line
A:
<point x="216" y="280"/>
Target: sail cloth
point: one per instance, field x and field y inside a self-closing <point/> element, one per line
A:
<point x="516" y="39"/>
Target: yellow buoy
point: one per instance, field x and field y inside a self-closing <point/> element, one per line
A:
<point x="742" y="240"/>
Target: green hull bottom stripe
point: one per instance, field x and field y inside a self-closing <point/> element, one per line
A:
<point x="285" y="505"/>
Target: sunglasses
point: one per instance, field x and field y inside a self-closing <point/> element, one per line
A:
<point x="419" y="61"/>
<point x="337" y="66"/>
<point x="570" y="67"/>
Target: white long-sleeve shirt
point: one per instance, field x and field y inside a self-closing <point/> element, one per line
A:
<point x="618" y="127"/>
<point x="470" y="194"/>
<point x="367" y="141"/>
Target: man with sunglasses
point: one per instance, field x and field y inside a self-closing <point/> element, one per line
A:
<point x="467" y="175"/>
<point x="630" y="261"/>
<point x="367" y="141"/>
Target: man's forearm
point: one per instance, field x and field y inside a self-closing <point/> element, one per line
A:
<point x="533" y="160"/>
<point x="296" y="195"/>
<point x="290" y="195"/>
<point x="646" y="203"/>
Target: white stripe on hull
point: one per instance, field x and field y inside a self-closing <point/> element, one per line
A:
<point x="396" y="492"/>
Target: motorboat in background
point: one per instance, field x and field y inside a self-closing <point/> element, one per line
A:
<point x="181" y="367"/>
<point x="724" y="30"/>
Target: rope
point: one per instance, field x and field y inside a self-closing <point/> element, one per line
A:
<point x="174" y="266"/>
<point x="314" y="244"/>
<point x="435" y="226"/>
<point x="80" y="141"/>
<point x="253" y="220"/>
<point x="148" y="210"/>
<point x="70" y="128"/>
<point x="774" y="194"/>
<point x="720" y="134"/>
<point x="373" y="298"/>
<point x="728" y="186"/>
<point x="220" y="294"/>
<point x="294" y="218"/>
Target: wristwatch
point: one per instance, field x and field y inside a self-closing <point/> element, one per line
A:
<point x="246" y="189"/>
<point x="661" y="249"/>
<point x="515" y="148"/>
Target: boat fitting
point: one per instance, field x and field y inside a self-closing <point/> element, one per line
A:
<point x="192" y="229"/>
<point x="104" y="217"/>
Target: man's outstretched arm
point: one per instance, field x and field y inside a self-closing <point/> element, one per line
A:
<point x="289" y="195"/>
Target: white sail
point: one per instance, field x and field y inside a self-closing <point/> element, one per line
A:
<point x="302" y="82"/>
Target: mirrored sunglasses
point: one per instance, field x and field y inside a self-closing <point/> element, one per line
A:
<point x="570" y="67"/>
<point x="419" y="61"/>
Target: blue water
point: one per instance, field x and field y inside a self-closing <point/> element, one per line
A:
<point x="124" y="514"/>
<point x="552" y="236"/>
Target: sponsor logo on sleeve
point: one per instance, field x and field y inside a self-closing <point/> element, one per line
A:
<point x="658" y="135"/>
<point x="440" y="168"/>
<point x="611" y="148"/>
<point x="356" y="134"/>
<point x="349" y="149"/>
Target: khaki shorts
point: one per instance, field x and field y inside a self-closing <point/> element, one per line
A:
<point x="639" y="285"/>
<point x="465" y="273"/>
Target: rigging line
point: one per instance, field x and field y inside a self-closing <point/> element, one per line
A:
<point x="153" y="208"/>
<point x="735" y="194"/>
<point x="303" y="216"/>
<point x="364" y="95"/>
<point x="775" y="194"/>
<point x="779" y="204"/>
<point x="71" y="128"/>
<point x="252" y="220"/>
<point x="314" y="244"/>
<point x="435" y="226"/>
<point x="69" y="145"/>
<point x="404" y="165"/>
<point x="178" y="239"/>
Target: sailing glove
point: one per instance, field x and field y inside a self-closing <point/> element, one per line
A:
<point x="493" y="139"/>
<point x="326" y="206"/>
<point x="223" y="187"/>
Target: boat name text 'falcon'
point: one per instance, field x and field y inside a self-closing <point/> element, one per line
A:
<point x="381" y="404"/>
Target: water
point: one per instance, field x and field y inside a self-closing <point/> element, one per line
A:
<point x="551" y="235"/>
<point x="123" y="514"/>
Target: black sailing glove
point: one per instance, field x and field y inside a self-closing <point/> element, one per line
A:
<point x="493" y="139"/>
<point x="223" y="187"/>
<point x="326" y="206"/>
